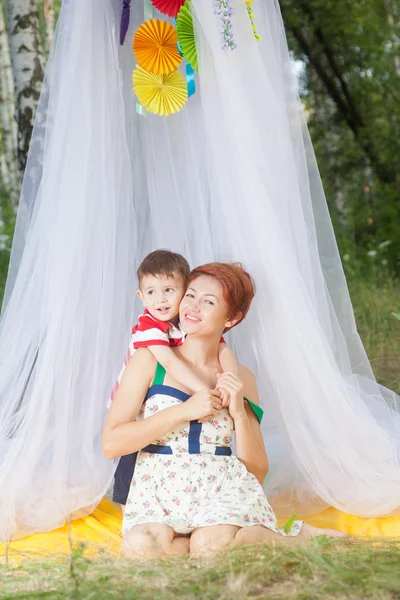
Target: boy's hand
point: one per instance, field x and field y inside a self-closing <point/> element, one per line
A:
<point x="232" y="383"/>
<point x="202" y="405"/>
<point x="225" y="395"/>
<point x="225" y="400"/>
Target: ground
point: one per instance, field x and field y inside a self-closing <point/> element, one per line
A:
<point x="339" y="570"/>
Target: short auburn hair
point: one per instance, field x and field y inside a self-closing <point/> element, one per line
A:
<point x="238" y="286"/>
<point x="163" y="262"/>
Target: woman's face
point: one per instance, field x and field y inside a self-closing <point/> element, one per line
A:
<point x="203" y="309"/>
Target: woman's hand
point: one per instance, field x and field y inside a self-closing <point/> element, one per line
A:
<point x="202" y="404"/>
<point x="234" y="386"/>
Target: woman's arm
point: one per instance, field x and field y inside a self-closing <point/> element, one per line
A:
<point x="250" y="449"/>
<point x="122" y="434"/>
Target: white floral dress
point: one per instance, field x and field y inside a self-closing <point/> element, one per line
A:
<point x="189" y="478"/>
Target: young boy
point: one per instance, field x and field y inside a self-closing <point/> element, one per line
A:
<point x="162" y="284"/>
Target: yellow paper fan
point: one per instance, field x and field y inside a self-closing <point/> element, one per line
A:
<point x="155" y="47"/>
<point x="160" y="94"/>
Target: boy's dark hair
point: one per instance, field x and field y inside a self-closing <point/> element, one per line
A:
<point x="163" y="262"/>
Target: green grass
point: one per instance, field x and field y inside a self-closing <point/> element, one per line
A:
<point x="377" y="310"/>
<point x="340" y="570"/>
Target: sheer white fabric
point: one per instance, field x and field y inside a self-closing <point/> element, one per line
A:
<point x="232" y="177"/>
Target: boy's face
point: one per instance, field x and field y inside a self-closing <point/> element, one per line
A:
<point x="162" y="294"/>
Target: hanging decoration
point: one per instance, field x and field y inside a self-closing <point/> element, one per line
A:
<point x="125" y="17"/>
<point x="155" y="47"/>
<point x="250" y="10"/>
<point x="162" y="95"/>
<point x="159" y="49"/>
<point x="224" y="10"/>
<point x="148" y="13"/>
<point x="168" y="7"/>
<point x="186" y="36"/>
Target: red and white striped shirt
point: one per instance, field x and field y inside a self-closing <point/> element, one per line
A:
<point x="149" y="331"/>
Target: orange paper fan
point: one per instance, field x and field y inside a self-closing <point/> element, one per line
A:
<point x="160" y="94"/>
<point x="155" y="47"/>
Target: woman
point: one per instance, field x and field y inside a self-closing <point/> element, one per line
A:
<point x="188" y="493"/>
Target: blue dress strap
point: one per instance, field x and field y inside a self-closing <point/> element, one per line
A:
<point x="159" y="380"/>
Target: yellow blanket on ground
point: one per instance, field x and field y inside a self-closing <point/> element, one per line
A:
<point x="102" y="531"/>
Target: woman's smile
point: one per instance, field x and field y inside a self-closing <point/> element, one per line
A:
<point x="191" y="318"/>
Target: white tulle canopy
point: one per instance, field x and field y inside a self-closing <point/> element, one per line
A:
<point x="232" y="177"/>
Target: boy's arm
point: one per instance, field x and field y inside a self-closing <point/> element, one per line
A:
<point x="177" y="368"/>
<point x="122" y="433"/>
<point x="228" y="363"/>
<point x="228" y="360"/>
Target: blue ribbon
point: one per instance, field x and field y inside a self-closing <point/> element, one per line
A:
<point x="190" y="79"/>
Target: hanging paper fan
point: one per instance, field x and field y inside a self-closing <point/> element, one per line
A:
<point x="155" y="47"/>
<point x="185" y="31"/>
<point x="160" y="94"/>
<point x="168" y="7"/>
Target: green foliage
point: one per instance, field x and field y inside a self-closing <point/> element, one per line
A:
<point x="376" y="303"/>
<point x="42" y="24"/>
<point x="351" y="89"/>
<point x="7" y="224"/>
<point x="78" y="565"/>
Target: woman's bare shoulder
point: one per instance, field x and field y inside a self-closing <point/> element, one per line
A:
<point x="249" y="384"/>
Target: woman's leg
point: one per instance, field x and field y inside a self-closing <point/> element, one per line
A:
<point x="153" y="540"/>
<point x="309" y="531"/>
<point x="257" y="534"/>
<point x="206" y="541"/>
<point x="211" y="540"/>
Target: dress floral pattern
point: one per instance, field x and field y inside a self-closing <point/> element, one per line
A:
<point x="197" y="484"/>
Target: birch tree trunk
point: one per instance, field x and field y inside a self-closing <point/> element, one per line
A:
<point x="5" y="184"/>
<point x="8" y="123"/>
<point x="26" y="57"/>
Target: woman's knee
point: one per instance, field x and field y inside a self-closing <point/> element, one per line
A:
<point x="147" y="540"/>
<point x="210" y="540"/>
<point x="256" y="534"/>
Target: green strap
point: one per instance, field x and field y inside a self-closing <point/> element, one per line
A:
<point x="159" y="376"/>
<point x="159" y="380"/>
<point x="258" y="411"/>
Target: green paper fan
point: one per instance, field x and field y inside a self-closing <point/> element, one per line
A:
<point x="185" y="31"/>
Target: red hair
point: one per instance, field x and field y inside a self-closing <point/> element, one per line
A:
<point x="238" y="287"/>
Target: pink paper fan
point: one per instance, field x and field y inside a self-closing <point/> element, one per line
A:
<point x="168" y="7"/>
